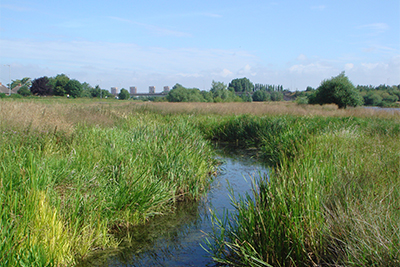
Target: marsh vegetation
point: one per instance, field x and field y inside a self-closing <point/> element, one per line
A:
<point x="73" y="174"/>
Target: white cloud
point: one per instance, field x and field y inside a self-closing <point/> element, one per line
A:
<point x="379" y="48"/>
<point x="127" y="64"/>
<point x="311" y="68"/>
<point x="372" y="66"/>
<point x="348" y="66"/>
<point x="302" y="57"/>
<point x="379" y="27"/>
<point x="226" y="73"/>
<point x="121" y="64"/>
<point x="247" y="70"/>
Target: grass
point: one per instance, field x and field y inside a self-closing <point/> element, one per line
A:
<point x="75" y="173"/>
<point x="67" y="185"/>
<point x="334" y="201"/>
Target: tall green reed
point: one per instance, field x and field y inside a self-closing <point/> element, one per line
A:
<point x="332" y="202"/>
<point x="64" y="194"/>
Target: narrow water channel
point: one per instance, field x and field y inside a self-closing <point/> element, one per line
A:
<point x="177" y="239"/>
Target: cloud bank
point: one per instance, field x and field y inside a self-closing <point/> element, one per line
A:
<point x="127" y="64"/>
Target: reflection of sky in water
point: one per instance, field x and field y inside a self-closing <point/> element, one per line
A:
<point x="174" y="240"/>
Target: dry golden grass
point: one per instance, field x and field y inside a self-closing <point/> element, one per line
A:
<point x="264" y="108"/>
<point x="65" y="115"/>
<point x="52" y="116"/>
<point x="14" y="114"/>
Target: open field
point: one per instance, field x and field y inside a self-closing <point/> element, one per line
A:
<point x="73" y="173"/>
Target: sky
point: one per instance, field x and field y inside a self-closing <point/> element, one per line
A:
<point x="125" y="43"/>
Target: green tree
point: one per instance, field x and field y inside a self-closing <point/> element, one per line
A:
<point x="105" y="93"/>
<point x="220" y="93"/>
<point x="338" y="90"/>
<point x="241" y="85"/>
<point x="217" y="86"/>
<point x="73" y="88"/>
<point x="95" y="92"/>
<point x="23" y="82"/>
<point x="390" y="98"/>
<point x="59" y="84"/>
<point x="208" y="96"/>
<point x="261" y="95"/>
<point x="246" y="97"/>
<point x="182" y="94"/>
<point x="276" y="96"/>
<point x="124" y="94"/>
<point x="24" y="91"/>
<point x="86" y="90"/>
<point x="372" y="99"/>
<point x="178" y="93"/>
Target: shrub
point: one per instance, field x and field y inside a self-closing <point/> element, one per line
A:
<point x="24" y="91"/>
<point x="16" y="96"/>
<point x="303" y="100"/>
<point x="338" y="90"/>
<point x="261" y="95"/>
<point x="124" y="94"/>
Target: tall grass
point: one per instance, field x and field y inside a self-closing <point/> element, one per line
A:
<point x="333" y="202"/>
<point x="66" y="185"/>
<point x="73" y="173"/>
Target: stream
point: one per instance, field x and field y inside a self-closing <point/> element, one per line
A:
<point x="177" y="239"/>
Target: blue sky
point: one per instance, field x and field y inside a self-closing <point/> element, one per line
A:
<point x="156" y="43"/>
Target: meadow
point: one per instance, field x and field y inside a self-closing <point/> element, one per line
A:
<point x="73" y="173"/>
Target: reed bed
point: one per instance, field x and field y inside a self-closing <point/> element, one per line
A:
<point x="334" y="201"/>
<point x="73" y="175"/>
<point x="261" y="108"/>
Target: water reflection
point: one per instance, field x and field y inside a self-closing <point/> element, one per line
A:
<point x="175" y="240"/>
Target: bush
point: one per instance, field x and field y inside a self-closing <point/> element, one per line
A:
<point x="73" y="88"/>
<point x="2" y="95"/>
<point x="16" y="96"/>
<point x="338" y="90"/>
<point x="124" y="94"/>
<point x="302" y="100"/>
<point x="261" y="95"/>
<point x="24" y="91"/>
<point x="276" y="96"/>
<point x="372" y="99"/>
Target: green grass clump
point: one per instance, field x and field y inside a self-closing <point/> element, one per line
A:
<point x="334" y="202"/>
<point x="65" y="194"/>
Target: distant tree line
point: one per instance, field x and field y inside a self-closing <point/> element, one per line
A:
<point x="337" y="90"/>
<point x="238" y="90"/>
<point x="60" y="85"/>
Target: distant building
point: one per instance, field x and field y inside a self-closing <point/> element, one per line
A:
<point x="114" y="90"/>
<point x="133" y="90"/>
<point x="4" y="89"/>
<point x="166" y="89"/>
<point x="152" y="89"/>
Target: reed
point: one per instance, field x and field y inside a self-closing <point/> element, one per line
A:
<point x="67" y="185"/>
<point x="74" y="174"/>
<point x="333" y="202"/>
